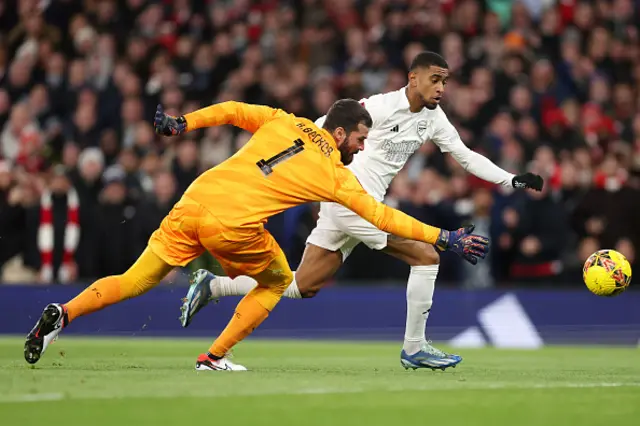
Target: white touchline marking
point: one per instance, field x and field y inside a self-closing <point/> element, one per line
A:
<point x="39" y="397"/>
<point x="31" y="397"/>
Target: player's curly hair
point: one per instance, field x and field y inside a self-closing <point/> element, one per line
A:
<point x="426" y="59"/>
<point x="347" y="113"/>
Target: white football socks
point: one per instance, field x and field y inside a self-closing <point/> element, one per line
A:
<point x="420" y="288"/>
<point x="419" y="299"/>
<point x="241" y="285"/>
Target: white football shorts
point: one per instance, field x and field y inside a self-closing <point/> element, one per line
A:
<point x="339" y="228"/>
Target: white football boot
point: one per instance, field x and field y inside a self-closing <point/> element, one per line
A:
<point x="45" y="331"/>
<point x="205" y="363"/>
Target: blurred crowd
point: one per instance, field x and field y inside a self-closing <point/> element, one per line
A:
<point x="539" y="85"/>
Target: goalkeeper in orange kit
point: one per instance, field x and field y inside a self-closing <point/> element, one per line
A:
<point x="287" y="162"/>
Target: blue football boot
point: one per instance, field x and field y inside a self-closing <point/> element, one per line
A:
<point x="198" y="296"/>
<point x="429" y="357"/>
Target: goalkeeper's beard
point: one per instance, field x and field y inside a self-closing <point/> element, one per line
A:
<point x="346" y="156"/>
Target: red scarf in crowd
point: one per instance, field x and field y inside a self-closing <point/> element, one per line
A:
<point x="46" y="236"/>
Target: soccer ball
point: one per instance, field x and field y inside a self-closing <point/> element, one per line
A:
<point x="607" y="273"/>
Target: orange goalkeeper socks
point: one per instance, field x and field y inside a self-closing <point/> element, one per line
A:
<point x="102" y="293"/>
<point x="249" y="314"/>
<point x="145" y="274"/>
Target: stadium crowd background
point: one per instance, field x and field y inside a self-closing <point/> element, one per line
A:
<point x="536" y="85"/>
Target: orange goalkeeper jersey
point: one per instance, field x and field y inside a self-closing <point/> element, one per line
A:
<point x="287" y="162"/>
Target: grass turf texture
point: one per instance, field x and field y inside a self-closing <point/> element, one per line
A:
<point x="152" y="382"/>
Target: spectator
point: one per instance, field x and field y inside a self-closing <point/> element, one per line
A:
<point x="12" y="215"/>
<point x="480" y="276"/>
<point x="533" y="84"/>
<point x="540" y="236"/>
<point x="114" y="249"/>
<point x="17" y="131"/>
<point x="155" y="207"/>
<point x="185" y="165"/>
<point x="86" y="177"/>
<point x="54" y="227"/>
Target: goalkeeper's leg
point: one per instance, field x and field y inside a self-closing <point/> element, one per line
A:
<point x="145" y="274"/>
<point x="252" y="310"/>
<point x="174" y="243"/>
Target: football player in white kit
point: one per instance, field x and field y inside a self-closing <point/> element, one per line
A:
<point x="403" y="120"/>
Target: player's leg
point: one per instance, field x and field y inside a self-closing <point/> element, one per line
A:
<point x="326" y="249"/>
<point x="148" y="271"/>
<point x="424" y="262"/>
<point x="141" y="277"/>
<point x="173" y="244"/>
<point x="252" y="310"/>
<point x="317" y="267"/>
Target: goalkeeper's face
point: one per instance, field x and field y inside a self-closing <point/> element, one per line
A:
<point x="429" y="84"/>
<point x="351" y="143"/>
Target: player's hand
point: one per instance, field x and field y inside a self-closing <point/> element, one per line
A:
<point x="528" y="181"/>
<point x="168" y="125"/>
<point x="465" y="244"/>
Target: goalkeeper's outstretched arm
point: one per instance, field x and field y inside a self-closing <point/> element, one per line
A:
<point x="350" y="194"/>
<point x="246" y="116"/>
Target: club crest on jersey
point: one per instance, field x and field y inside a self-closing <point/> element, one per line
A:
<point x="422" y="127"/>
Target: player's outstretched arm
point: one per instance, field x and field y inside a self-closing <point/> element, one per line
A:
<point x="351" y="195"/>
<point x="464" y="243"/>
<point x="448" y="140"/>
<point x="480" y="166"/>
<point x="246" y="116"/>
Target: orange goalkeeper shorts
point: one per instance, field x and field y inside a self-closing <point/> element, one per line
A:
<point x="189" y="229"/>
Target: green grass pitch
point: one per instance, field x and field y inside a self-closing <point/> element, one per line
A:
<point x="134" y="381"/>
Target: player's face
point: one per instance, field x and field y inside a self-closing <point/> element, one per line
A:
<point x="429" y="84"/>
<point x="351" y="143"/>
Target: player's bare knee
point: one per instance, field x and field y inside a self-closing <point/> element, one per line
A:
<point x="309" y="293"/>
<point x="426" y="256"/>
<point x="308" y="288"/>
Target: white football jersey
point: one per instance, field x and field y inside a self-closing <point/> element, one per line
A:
<point x="397" y="133"/>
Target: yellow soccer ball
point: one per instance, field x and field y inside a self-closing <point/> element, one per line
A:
<point x="607" y="273"/>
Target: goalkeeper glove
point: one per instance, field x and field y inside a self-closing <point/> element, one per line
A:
<point x="528" y="180"/>
<point x="168" y="125"/>
<point x="465" y="244"/>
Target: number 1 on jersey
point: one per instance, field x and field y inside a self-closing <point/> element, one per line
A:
<point x="267" y="165"/>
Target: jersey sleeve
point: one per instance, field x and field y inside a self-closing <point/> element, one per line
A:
<point x="350" y="194"/>
<point x="246" y="116"/>
<point x="446" y="137"/>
